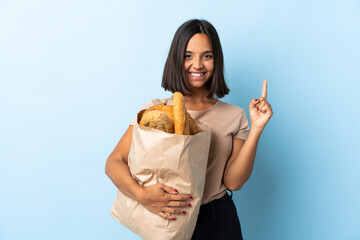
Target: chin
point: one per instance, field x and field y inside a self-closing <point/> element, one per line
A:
<point x="197" y="85"/>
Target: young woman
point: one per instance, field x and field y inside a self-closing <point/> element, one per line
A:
<point x="194" y="67"/>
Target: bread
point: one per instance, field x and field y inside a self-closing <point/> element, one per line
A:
<point x="167" y="109"/>
<point x="171" y="119"/>
<point x="179" y="113"/>
<point x="158" y="120"/>
<point x="191" y="124"/>
<point x="183" y="123"/>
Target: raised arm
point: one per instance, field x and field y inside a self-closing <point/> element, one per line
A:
<point x="240" y="164"/>
<point x="158" y="198"/>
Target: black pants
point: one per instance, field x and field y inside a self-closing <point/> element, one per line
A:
<point x="218" y="220"/>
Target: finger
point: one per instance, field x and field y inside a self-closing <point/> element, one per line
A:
<point x="264" y="89"/>
<point x="261" y="99"/>
<point x="170" y="190"/>
<point x="254" y="103"/>
<point x="167" y="217"/>
<point x="174" y="211"/>
<point x="263" y="110"/>
<point x="181" y="204"/>
<point x="180" y="197"/>
<point x="271" y="112"/>
<point x="266" y="108"/>
<point x="261" y="105"/>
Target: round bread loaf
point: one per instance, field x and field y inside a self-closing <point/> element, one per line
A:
<point x="158" y="120"/>
<point x="167" y="109"/>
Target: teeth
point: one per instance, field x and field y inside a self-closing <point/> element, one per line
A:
<point x="197" y="74"/>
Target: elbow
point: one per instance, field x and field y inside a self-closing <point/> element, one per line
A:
<point x="234" y="187"/>
<point x="106" y="170"/>
<point x="113" y="163"/>
<point x="107" y="167"/>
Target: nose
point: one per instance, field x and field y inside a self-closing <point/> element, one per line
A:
<point x="198" y="64"/>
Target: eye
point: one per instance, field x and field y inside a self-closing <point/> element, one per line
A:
<point x="187" y="55"/>
<point x="208" y="56"/>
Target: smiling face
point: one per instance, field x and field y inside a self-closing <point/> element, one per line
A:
<point x="199" y="60"/>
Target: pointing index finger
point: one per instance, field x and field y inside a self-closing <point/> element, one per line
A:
<point x="264" y="89"/>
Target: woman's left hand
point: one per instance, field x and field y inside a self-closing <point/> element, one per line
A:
<point x="260" y="110"/>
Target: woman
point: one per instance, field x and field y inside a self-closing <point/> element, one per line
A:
<point x="194" y="67"/>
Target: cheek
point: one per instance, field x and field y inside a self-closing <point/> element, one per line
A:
<point x="210" y="67"/>
<point x="186" y="65"/>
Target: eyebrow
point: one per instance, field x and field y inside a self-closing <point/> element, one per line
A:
<point x="203" y="52"/>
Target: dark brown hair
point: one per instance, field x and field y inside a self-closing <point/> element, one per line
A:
<point x="174" y="77"/>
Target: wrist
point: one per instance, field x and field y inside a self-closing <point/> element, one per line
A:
<point x="139" y="193"/>
<point x="256" y="130"/>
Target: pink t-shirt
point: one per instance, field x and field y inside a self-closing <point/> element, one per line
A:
<point x="228" y="121"/>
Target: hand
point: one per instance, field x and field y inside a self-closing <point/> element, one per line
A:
<point x="260" y="111"/>
<point x="163" y="200"/>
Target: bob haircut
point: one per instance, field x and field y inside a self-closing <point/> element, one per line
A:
<point x="174" y="77"/>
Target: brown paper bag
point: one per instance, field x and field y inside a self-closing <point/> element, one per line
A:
<point x="178" y="161"/>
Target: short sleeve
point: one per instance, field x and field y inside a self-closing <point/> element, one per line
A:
<point x="243" y="129"/>
<point x="146" y="106"/>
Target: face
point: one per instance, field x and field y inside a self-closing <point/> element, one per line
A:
<point x="199" y="60"/>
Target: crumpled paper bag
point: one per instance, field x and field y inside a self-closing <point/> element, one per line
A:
<point x="178" y="161"/>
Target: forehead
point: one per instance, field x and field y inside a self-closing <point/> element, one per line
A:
<point x="200" y="42"/>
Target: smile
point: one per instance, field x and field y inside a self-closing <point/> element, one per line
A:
<point x="197" y="74"/>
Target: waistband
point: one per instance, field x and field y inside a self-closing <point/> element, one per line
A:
<point x="227" y="196"/>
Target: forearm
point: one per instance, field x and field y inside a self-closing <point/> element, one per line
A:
<point x="239" y="170"/>
<point x="119" y="173"/>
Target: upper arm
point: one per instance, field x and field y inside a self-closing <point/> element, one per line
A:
<point x="122" y="149"/>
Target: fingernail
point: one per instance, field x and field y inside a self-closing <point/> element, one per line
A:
<point x="189" y="205"/>
<point x="191" y="197"/>
<point x="174" y="219"/>
<point x="176" y="191"/>
<point x="256" y="100"/>
<point x="183" y="212"/>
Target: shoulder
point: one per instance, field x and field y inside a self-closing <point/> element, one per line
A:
<point x="237" y="119"/>
<point x="231" y="108"/>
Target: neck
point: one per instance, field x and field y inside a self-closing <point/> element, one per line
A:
<point x="199" y="96"/>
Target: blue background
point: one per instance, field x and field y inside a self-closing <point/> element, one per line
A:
<point x="73" y="74"/>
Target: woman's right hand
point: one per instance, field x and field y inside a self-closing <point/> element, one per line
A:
<point x="163" y="200"/>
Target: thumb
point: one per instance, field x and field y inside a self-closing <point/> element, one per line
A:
<point x="170" y="190"/>
<point x="254" y="103"/>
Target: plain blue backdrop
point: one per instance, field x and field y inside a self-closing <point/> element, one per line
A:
<point x="73" y="74"/>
